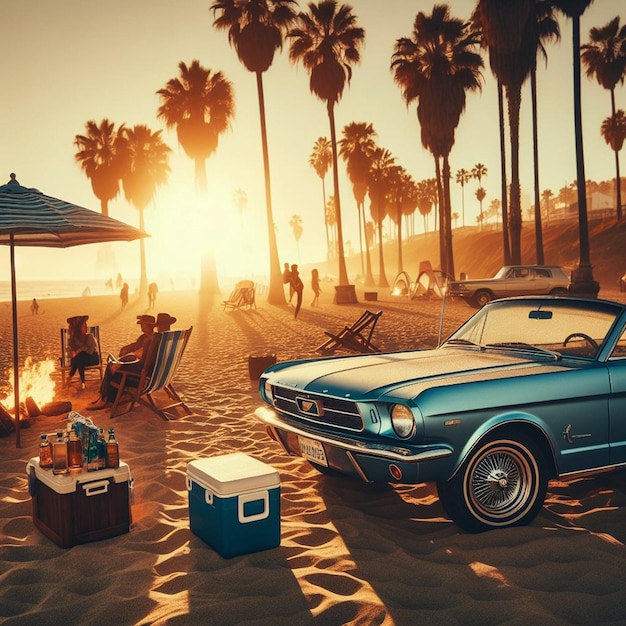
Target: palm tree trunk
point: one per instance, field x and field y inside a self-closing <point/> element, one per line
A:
<point x="276" y="292"/>
<point x="443" y="257"/>
<point x="399" y="231"/>
<point x="143" y="275"/>
<point x="582" y="277"/>
<point x="514" y="98"/>
<point x="506" y="250"/>
<point x="618" y="191"/>
<point x="449" y="269"/>
<point x="343" y="272"/>
<point x="538" y="224"/>
<point x="369" y="276"/>
<point x="382" y="277"/>
<point x="200" y="176"/>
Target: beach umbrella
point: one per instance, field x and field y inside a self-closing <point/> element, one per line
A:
<point x="30" y="218"/>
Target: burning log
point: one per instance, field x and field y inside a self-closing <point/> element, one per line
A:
<point x="31" y="407"/>
<point x="7" y="424"/>
<point x="56" y="408"/>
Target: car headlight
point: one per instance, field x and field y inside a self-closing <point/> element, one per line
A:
<point x="402" y="420"/>
<point x="267" y="390"/>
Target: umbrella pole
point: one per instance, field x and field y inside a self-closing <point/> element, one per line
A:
<point x="16" y="374"/>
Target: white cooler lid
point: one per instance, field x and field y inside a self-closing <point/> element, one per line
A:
<point x="66" y="483"/>
<point x="231" y="474"/>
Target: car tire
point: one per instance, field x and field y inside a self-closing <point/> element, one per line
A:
<point x="502" y="483"/>
<point x="482" y="297"/>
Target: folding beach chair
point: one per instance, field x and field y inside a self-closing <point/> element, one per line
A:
<point x="65" y="358"/>
<point x="356" y="338"/>
<point x="162" y="360"/>
<point x="242" y="296"/>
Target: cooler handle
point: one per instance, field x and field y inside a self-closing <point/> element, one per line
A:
<point x="253" y="497"/>
<point x="208" y="495"/>
<point x="96" y="488"/>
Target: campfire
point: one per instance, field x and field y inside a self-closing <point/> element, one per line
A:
<point x="36" y="389"/>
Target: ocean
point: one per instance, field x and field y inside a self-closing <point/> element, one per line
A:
<point x="45" y="289"/>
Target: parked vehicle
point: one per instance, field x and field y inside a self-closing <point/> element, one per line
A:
<point x="512" y="280"/>
<point x="528" y="389"/>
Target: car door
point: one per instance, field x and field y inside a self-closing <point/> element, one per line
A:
<point x="515" y="283"/>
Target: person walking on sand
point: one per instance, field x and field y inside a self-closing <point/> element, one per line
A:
<point x="287" y="280"/>
<point x="34" y="307"/>
<point x="315" y="286"/>
<point x="153" y="289"/>
<point x="124" y="295"/>
<point x="298" y="287"/>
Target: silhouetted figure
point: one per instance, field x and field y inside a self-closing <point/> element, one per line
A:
<point x="287" y="280"/>
<point x="315" y="286"/>
<point x="124" y="295"/>
<point x="298" y="287"/>
<point x="34" y="307"/>
<point x="153" y="289"/>
<point x="118" y="280"/>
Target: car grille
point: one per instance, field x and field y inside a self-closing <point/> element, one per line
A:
<point x="332" y="411"/>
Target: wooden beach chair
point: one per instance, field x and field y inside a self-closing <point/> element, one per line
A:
<point x="65" y="358"/>
<point x="162" y="360"/>
<point x="356" y="338"/>
<point x="242" y="296"/>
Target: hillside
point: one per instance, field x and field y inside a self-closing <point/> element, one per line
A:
<point x="479" y="254"/>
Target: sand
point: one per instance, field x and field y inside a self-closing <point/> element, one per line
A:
<point x="349" y="554"/>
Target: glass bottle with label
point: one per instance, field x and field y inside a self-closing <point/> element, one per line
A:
<point x="45" y="453"/>
<point x="74" y="451"/>
<point x="59" y="455"/>
<point x="113" y="450"/>
<point x="102" y="450"/>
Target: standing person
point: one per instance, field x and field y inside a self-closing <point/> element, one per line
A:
<point x="153" y="289"/>
<point x="315" y="286"/>
<point x="124" y="295"/>
<point x="34" y="307"/>
<point x="298" y="288"/>
<point x="82" y="347"/>
<point x="287" y="280"/>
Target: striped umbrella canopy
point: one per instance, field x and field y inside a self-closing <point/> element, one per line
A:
<point x="30" y="218"/>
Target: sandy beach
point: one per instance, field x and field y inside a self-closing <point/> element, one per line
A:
<point x="349" y="554"/>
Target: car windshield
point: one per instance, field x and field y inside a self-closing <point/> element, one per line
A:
<point x="563" y="326"/>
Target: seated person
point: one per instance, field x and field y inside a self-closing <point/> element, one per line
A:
<point x="81" y="347"/>
<point x="131" y="359"/>
<point x="164" y="322"/>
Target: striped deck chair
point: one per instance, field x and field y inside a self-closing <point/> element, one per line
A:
<point x="162" y="360"/>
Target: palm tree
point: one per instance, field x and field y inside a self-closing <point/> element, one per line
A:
<point x="436" y="66"/>
<point x="200" y="105"/>
<point x="462" y="178"/>
<point x="401" y="195"/>
<point x="256" y="29"/>
<point x="356" y="148"/>
<point x="547" y="30"/>
<point x="327" y="42"/>
<point x="509" y="32"/>
<point x="480" y="196"/>
<point x="546" y="196"/>
<point x="98" y="158"/>
<point x="605" y="58"/>
<point x="583" y="282"/>
<point x="379" y="188"/>
<point x="426" y="197"/>
<point x="320" y="160"/>
<point x="296" y="227"/>
<point x="145" y="166"/>
<point x="614" y="133"/>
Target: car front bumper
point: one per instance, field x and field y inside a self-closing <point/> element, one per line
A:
<point x="368" y="460"/>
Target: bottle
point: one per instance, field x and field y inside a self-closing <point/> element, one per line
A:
<point x="45" y="453"/>
<point x="113" y="450"/>
<point x="74" y="451"/>
<point x="102" y="450"/>
<point x="59" y="455"/>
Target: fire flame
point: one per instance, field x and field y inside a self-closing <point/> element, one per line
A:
<point x="35" y="382"/>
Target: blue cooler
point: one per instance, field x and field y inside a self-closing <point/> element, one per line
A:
<point x="234" y="503"/>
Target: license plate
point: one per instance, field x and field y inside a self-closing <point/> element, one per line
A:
<point x="312" y="450"/>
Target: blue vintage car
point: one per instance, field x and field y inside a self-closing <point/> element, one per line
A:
<point x="526" y="390"/>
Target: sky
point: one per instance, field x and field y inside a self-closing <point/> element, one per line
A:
<point x="69" y="61"/>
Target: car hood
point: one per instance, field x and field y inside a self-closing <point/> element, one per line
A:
<point x="403" y="374"/>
